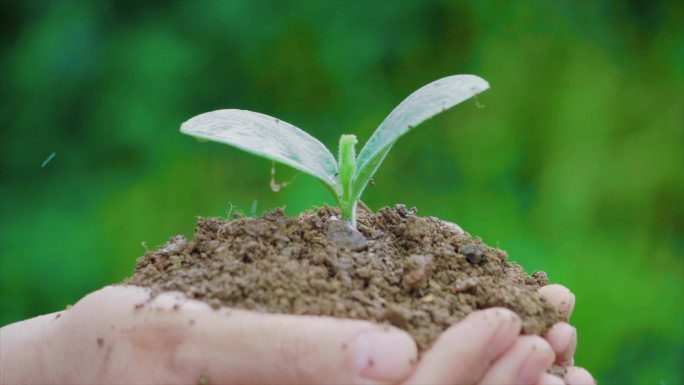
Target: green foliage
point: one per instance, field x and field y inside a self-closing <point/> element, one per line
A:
<point x="282" y="142"/>
<point x="574" y="166"/>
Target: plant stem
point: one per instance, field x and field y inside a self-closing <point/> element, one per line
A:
<point x="347" y="165"/>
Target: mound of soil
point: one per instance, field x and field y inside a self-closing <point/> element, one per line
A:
<point x="419" y="274"/>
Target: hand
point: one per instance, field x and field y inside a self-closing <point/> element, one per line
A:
<point x="562" y="337"/>
<point x="116" y="335"/>
<point x="486" y="348"/>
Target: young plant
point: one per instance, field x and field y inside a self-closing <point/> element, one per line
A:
<point x="347" y="177"/>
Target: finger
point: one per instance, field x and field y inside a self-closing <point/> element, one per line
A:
<point x="465" y="350"/>
<point x="579" y="376"/>
<point x="563" y="340"/>
<point x="523" y="363"/>
<point x="550" y="379"/>
<point x="170" y="340"/>
<point x="559" y="297"/>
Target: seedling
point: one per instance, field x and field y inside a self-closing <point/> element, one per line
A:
<point x="347" y="177"/>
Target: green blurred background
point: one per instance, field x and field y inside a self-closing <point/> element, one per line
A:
<point x="575" y="164"/>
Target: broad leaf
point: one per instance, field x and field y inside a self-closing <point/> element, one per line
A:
<point x="421" y="105"/>
<point x="268" y="137"/>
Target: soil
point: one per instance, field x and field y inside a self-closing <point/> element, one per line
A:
<point x="419" y="274"/>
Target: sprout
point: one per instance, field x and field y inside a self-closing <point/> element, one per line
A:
<point x="347" y="177"/>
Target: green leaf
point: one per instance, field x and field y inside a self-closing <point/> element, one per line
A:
<point x="268" y="137"/>
<point x="421" y="105"/>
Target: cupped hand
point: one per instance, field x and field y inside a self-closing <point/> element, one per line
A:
<point x="119" y="335"/>
<point x="487" y="348"/>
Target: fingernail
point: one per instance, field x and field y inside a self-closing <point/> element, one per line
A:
<point x="509" y="325"/>
<point x="383" y="355"/>
<point x="537" y="361"/>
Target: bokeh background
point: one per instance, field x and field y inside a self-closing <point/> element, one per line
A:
<point x="574" y="165"/>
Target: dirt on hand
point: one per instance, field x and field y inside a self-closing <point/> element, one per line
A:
<point x="419" y="274"/>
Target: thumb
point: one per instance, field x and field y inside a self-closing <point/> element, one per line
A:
<point x="176" y="340"/>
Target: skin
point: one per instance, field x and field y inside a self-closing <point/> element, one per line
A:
<point x="119" y="335"/>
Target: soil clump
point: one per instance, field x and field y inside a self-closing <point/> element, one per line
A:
<point x="420" y="274"/>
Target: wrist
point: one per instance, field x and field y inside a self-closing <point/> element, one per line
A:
<point x="24" y="346"/>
